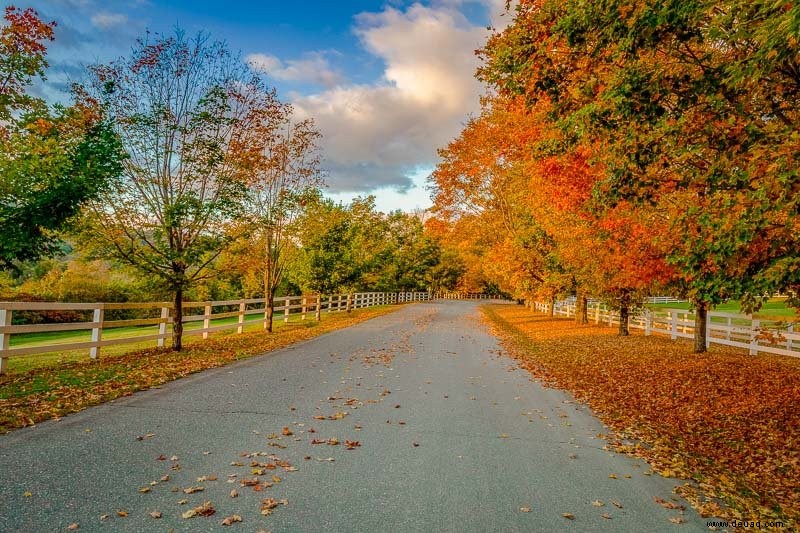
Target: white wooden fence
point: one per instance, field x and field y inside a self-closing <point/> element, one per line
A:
<point x="203" y="313"/>
<point x="463" y="296"/>
<point x="729" y="329"/>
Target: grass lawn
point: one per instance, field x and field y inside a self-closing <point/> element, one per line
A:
<point x="66" y="383"/>
<point x="725" y="420"/>
<point x="774" y="309"/>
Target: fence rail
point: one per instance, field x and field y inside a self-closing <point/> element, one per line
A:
<point x="729" y="329"/>
<point x="198" y="321"/>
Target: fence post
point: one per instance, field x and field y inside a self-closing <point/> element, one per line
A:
<point x="349" y="302"/>
<point x="754" y="325"/>
<point x="647" y="322"/>
<point x="206" y="321"/>
<point x="318" y="313"/>
<point x="5" y="339"/>
<point x="330" y="303"/>
<point x="673" y="326"/>
<point x="242" y="309"/>
<point x="97" y="330"/>
<point x="304" y="308"/>
<point x="162" y="326"/>
<point x="286" y="311"/>
<point x="728" y="331"/>
<point x="597" y="314"/>
<point x="789" y="330"/>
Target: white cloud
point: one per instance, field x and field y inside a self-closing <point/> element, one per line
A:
<point x="106" y="20"/>
<point x="377" y="135"/>
<point x="313" y="68"/>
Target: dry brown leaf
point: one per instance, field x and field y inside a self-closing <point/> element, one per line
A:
<point x="525" y="509"/>
<point x="234" y="494"/>
<point x="122" y="513"/>
<point x="568" y="516"/>
<point x="230" y="520"/>
<point x="597" y="503"/>
<point x="155" y="514"/>
<point x="74" y="526"/>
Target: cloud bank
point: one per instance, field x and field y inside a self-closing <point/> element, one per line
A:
<point x="377" y="135"/>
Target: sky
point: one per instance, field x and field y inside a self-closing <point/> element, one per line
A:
<point x="387" y="81"/>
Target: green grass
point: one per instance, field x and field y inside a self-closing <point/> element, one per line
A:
<point x="25" y="363"/>
<point x="775" y="309"/>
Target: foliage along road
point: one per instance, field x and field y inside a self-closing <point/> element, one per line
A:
<point x="414" y="421"/>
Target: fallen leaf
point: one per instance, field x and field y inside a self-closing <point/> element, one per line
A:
<point x="568" y="516"/>
<point x="155" y="514"/>
<point x="234" y="494"/>
<point x="230" y="520"/>
<point x="287" y="432"/>
<point x="27" y="494"/>
<point x="73" y="526"/>
<point x="677" y="520"/>
<point x="192" y="490"/>
<point x="103" y="517"/>
<point x="352" y="444"/>
<point x="612" y="476"/>
<point x="144" y="490"/>
<point x="606" y="516"/>
<point x="183" y="502"/>
<point x="122" y="513"/>
<point x="525" y="509"/>
<point x="276" y="479"/>
<point x="597" y="503"/>
<point x="616" y="504"/>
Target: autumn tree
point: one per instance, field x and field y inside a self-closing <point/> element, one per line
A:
<point x="179" y="106"/>
<point x="694" y="104"/>
<point x="284" y="177"/>
<point x="52" y="160"/>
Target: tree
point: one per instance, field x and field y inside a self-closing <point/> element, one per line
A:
<point x="179" y="106"/>
<point x="52" y="161"/>
<point x="285" y="178"/>
<point x="695" y="105"/>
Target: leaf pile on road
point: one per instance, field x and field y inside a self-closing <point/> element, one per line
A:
<point x="728" y="421"/>
<point x="41" y="394"/>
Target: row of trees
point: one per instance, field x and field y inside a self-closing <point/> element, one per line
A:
<point x="632" y="147"/>
<point x="180" y="163"/>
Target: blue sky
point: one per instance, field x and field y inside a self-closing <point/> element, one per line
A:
<point x="388" y="82"/>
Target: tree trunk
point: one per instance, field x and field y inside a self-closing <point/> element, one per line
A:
<point x="701" y="312"/>
<point x="269" y="312"/>
<point x="623" y="320"/>
<point x="581" y="310"/>
<point x="177" y="321"/>
<point x="552" y="309"/>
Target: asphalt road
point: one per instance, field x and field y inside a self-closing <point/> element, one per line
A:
<point x="453" y="437"/>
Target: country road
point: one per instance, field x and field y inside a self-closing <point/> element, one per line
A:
<point x="453" y="437"/>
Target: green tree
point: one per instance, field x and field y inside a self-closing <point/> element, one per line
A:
<point x="52" y="161"/>
<point x="180" y="107"/>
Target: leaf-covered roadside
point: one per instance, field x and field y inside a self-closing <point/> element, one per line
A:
<point x="52" y="392"/>
<point x="728" y="421"/>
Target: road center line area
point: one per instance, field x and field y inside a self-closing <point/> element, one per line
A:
<point x="413" y="421"/>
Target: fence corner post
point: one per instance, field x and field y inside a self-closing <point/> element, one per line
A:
<point x="5" y="339"/>
<point x="97" y="330"/>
